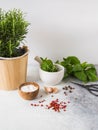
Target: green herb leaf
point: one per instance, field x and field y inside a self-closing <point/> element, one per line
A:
<point x="82" y="71"/>
<point x="91" y="74"/>
<point x="71" y="60"/>
<point x="77" y="67"/>
<point x="81" y="76"/>
<point x="48" y="65"/>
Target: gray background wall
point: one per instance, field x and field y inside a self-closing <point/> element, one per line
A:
<point x="60" y="28"/>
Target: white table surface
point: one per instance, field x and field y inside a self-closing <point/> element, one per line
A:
<point x="18" y="114"/>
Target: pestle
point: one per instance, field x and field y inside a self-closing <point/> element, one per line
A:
<point x="38" y="59"/>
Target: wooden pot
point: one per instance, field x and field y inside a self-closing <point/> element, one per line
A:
<point x="13" y="72"/>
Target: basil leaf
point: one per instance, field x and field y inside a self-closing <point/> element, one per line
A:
<point x="91" y="74"/>
<point x="47" y="65"/>
<point x="81" y="76"/>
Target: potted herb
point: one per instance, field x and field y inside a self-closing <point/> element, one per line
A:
<point x="13" y="54"/>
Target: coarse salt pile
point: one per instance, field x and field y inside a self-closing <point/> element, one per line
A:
<point x="28" y="88"/>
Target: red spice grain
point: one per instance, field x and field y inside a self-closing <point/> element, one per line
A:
<point x="56" y="105"/>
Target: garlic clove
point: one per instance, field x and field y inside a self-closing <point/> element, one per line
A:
<point x="55" y="90"/>
<point x="48" y="89"/>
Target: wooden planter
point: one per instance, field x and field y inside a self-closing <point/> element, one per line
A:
<point x="13" y="72"/>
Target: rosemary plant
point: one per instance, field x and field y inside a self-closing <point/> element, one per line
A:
<point x="13" y="30"/>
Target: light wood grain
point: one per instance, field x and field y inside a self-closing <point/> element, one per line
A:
<point x="13" y="72"/>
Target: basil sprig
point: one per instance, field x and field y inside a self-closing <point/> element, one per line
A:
<point x="82" y="71"/>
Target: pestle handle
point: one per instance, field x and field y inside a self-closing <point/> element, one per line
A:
<point x="38" y="59"/>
